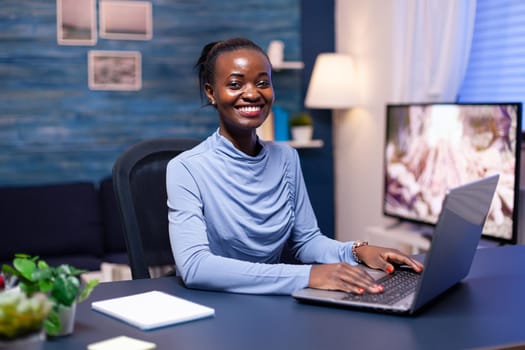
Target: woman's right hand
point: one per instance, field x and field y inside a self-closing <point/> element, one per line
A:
<point x="344" y="277"/>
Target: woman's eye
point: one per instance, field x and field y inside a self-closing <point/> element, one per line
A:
<point x="234" y="85"/>
<point x="264" y="83"/>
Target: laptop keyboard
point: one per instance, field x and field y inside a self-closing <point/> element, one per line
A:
<point x="397" y="286"/>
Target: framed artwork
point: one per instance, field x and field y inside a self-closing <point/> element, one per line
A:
<point x="76" y="22"/>
<point x="126" y="20"/>
<point x="114" y="70"/>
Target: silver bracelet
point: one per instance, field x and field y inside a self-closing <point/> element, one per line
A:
<point x="356" y="245"/>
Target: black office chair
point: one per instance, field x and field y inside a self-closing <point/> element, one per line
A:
<point x="139" y="180"/>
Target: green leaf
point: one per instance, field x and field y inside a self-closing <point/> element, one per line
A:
<point x="69" y="270"/>
<point x="45" y="286"/>
<point x="25" y="267"/>
<point x="64" y="270"/>
<point x="86" y="291"/>
<point x="65" y="290"/>
<point x="24" y="256"/>
<point x="40" y="274"/>
<point x="78" y="272"/>
<point x="52" y="322"/>
<point x="42" y="264"/>
<point x="301" y="119"/>
<point x="9" y="270"/>
<point x="28" y="287"/>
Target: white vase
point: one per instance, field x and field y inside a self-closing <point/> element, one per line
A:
<point x="33" y="341"/>
<point x="67" y="319"/>
<point x="302" y="134"/>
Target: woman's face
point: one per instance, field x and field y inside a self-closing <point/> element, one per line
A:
<point x="241" y="90"/>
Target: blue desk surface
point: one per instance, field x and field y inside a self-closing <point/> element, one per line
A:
<point x="486" y="309"/>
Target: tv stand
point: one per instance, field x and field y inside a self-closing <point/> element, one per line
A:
<point x="409" y="238"/>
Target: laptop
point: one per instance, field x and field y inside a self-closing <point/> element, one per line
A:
<point x="454" y="243"/>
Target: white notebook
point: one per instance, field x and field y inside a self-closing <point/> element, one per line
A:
<point x="152" y="309"/>
<point x="122" y="343"/>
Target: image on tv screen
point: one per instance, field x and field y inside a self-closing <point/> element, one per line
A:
<point x="431" y="148"/>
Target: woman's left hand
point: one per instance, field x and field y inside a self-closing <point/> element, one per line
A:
<point x="384" y="258"/>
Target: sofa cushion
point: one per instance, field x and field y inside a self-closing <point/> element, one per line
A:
<point x="81" y="261"/>
<point x="50" y="220"/>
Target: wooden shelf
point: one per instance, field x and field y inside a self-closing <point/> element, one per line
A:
<point x="309" y="144"/>
<point x="288" y="65"/>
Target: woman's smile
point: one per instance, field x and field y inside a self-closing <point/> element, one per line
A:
<point x="249" y="111"/>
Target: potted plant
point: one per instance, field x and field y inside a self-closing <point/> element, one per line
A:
<point x="301" y="127"/>
<point x="22" y="320"/>
<point x="61" y="284"/>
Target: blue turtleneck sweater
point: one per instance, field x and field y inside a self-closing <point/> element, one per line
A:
<point x="230" y="215"/>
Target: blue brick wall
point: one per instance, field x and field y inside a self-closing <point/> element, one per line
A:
<point x="54" y="129"/>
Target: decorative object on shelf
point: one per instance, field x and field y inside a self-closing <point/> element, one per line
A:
<point x="280" y="123"/>
<point x="331" y="84"/>
<point x="266" y="130"/>
<point x="301" y="127"/>
<point x="22" y="319"/>
<point x="61" y="284"/>
<point x="275" y="53"/>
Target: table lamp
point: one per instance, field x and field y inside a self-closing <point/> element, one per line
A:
<point x="331" y="84"/>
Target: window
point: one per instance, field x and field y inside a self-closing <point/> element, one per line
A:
<point x="496" y="67"/>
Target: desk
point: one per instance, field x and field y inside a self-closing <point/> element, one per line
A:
<point x="470" y="316"/>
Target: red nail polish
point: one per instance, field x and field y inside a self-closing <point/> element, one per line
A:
<point x="389" y="269"/>
<point x="360" y="290"/>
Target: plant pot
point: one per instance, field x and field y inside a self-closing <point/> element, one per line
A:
<point x="33" y="341"/>
<point x="302" y="134"/>
<point x="67" y="319"/>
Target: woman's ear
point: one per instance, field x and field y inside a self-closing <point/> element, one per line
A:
<point x="208" y="89"/>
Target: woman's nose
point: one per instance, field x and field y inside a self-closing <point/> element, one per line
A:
<point x="251" y="92"/>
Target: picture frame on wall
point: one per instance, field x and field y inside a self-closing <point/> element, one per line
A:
<point x="137" y="24"/>
<point x="76" y="22"/>
<point x="115" y="70"/>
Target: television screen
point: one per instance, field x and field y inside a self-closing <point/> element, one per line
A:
<point x="432" y="147"/>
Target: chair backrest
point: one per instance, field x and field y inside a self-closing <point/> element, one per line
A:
<point x="139" y="180"/>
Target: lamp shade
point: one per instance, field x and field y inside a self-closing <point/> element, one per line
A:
<point x="331" y="84"/>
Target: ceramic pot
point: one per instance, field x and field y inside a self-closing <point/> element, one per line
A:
<point x="302" y="134"/>
<point x="67" y="319"/>
<point x="33" y="341"/>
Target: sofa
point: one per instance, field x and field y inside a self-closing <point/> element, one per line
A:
<point x="75" y="223"/>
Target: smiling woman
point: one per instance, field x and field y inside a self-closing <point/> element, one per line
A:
<point x="235" y="201"/>
<point x="242" y="92"/>
<point x="240" y="89"/>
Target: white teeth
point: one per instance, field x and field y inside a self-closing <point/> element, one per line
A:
<point x="249" y="109"/>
